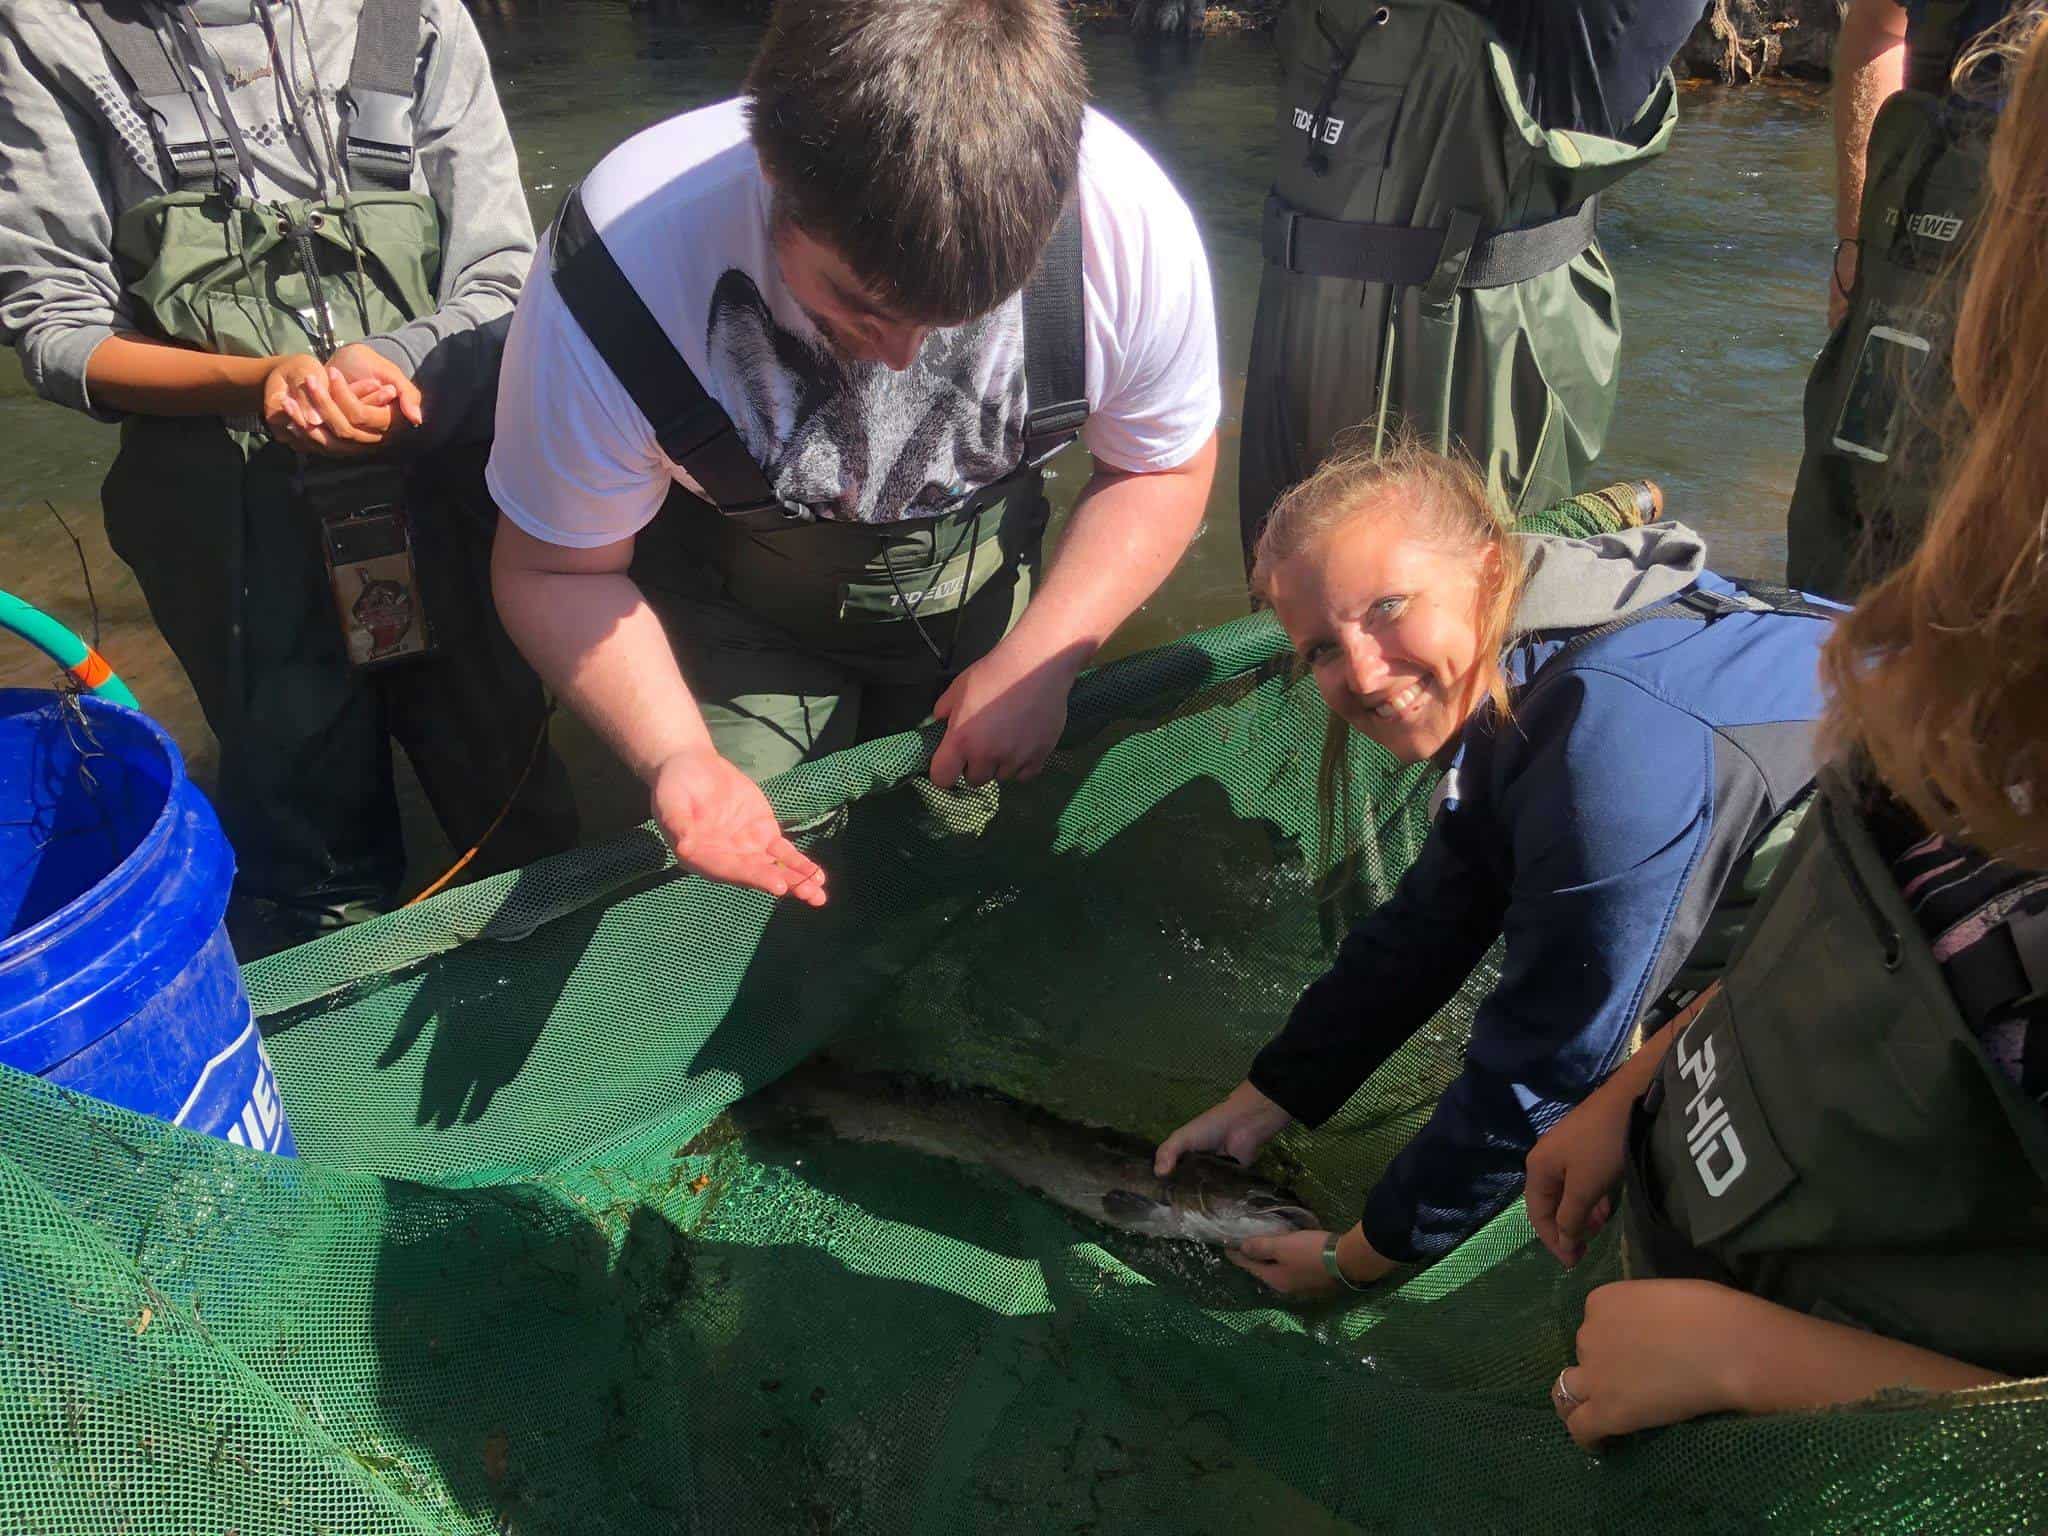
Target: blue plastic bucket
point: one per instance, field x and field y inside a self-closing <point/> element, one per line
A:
<point x="116" y="978"/>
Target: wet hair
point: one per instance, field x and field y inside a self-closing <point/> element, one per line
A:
<point x="931" y="143"/>
<point x="1939" y="678"/>
<point x="1429" y="495"/>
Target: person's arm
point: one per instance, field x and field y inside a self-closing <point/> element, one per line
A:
<point x="1154" y="398"/>
<point x="1403" y="962"/>
<point x="303" y="401"/>
<point x="1653" y="1352"/>
<point x="1869" y="67"/>
<point x="1393" y="971"/>
<point x="1005" y="713"/>
<point x="589" y="633"/>
<point x="576" y="474"/>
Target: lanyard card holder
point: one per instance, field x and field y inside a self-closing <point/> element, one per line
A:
<point x="367" y="543"/>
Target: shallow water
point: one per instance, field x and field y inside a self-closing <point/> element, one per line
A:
<point x="1720" y="249"/>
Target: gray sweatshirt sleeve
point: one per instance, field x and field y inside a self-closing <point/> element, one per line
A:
<point x="59" y="294"/>
<point x="471" y="169"/>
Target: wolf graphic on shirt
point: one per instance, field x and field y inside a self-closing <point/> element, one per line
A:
<point x="860" y="442"/>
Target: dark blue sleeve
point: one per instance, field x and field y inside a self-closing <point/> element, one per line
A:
<point x="1590" y="65"/>
<point x="1393" y="971"/>
<point x="1610" y="807"/>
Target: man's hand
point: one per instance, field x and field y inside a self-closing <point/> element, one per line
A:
<point x="1003" y="717"/>
<point x="722" y="827"/>
<point x="1292" y="1263"/>
<point x="1236" y="1128"/>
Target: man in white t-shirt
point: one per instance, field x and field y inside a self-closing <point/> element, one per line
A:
<point x="777" y="369"/>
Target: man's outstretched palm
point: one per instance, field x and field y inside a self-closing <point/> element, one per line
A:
<point x="722" y="827"/>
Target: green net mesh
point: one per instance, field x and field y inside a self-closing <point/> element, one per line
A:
<point x="528" y="1276"/>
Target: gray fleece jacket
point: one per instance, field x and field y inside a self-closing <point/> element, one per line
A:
<point x="74" y="153"/>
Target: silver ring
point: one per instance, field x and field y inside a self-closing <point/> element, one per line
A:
<point x="1560" y="1390"/>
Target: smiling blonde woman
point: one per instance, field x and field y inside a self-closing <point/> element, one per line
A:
<point x="1621" y="731"/>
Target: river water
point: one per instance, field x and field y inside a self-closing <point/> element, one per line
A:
<point x="1720" y="248"/>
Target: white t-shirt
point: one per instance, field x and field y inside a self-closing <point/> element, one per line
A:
<point x="683" y="209"/>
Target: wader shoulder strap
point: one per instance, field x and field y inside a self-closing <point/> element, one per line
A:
<point x="1405" y="257"/>
<point x="693" y="428"/>
<point x="1055" y="344"/>
<point x="193" y="150"/>
<point x="1700" y="606"/>
<point x="1934" y="36"/>
<point x="377" y="104"/>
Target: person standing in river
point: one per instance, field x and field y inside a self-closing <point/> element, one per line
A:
<point x="278" y="241"/>
<point x="1913" y="120"/>
<point x="1431" y="263"/>
<point x="783" y="379"/>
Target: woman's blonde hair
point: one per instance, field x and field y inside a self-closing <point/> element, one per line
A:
<point x="1940" y="675"/>
<point x="1437" y="497"/>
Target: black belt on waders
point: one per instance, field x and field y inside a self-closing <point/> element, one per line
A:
<point x="1460" y="255"/>
<point x="893" y="589"/>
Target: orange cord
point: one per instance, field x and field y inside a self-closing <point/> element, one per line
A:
<point x="532" y="757"/>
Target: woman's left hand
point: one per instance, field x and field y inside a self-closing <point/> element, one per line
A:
<point x="1653" y="1352"/>
<point x="1292" y="1263"/>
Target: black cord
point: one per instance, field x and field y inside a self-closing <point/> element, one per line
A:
<point x="943" y="658"/>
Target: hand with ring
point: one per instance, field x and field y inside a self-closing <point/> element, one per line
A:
<point x="1653" y="1352"/>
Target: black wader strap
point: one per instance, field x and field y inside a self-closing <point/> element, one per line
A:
<point x="191" y="148"/>
<point x="1402" y="256"/>
<point x="691" y="427"/>
<point x="1055" y="344"/>
<point x="694" y="430"/>
<point x="1934" y="36"/>
<point x="377" y="103"/>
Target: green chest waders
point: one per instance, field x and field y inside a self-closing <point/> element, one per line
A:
<point x="1430" y="256"/>
<point x="220" y="524"/>
<point x="1877" y="393"/>
<point x="800" y="635"/>
<point x="1829" y="1135"/>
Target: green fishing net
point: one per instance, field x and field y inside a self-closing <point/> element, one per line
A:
<point x="527" y="1277"/>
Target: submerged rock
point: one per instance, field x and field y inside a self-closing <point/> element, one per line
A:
<point x="1737" y="41"/>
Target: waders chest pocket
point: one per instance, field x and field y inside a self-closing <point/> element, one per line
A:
<point x="1708" y="1147"/>
<point x="366" y="539"/>
<point x="879" y="596"/>
<point x="1887" y="374"/>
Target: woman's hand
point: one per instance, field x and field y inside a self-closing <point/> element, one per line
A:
<point x="1236" y="1128"/>
<point x="1655" y="1352"/>
<point x="1574" y="1167"/>
<point x="314" y="408"/>
<point x="1292" y="1263"/>
<point x="1573" y="1170"/>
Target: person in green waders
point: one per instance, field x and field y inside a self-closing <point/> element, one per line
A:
<point x="783" y="380"/>
<point x="1431" y="261"/>
<point x="1832" y="1180"/>
<point x="1913" y="115"/>
<point x="279" y="241"/>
